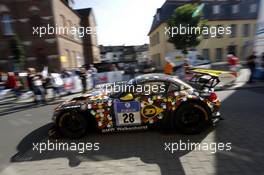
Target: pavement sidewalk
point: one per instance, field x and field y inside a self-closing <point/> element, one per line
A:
<point x="242" y="79"/>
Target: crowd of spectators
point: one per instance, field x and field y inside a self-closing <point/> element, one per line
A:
<point x="38" y="83"/>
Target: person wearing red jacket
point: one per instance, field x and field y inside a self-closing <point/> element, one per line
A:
<point x="12" y="83"/>
<point x="233" y="62"/>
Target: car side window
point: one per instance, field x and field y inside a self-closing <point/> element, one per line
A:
<point x="173" y="87"/>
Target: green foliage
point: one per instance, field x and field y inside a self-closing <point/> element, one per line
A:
<point x="184" y="16"/>
<point x="18" y="52"/>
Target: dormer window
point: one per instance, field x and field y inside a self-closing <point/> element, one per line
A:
<point x="7" y="25"/>
<point x="4" y="9"/>
<point x="253" y="8"/>
<point x="157" y="16"/>
<point x="34" y="8"/>
<point x="216" y="9"/>
<point x="235" y="9"/>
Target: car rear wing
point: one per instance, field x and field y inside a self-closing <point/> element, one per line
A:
<point x="206" y="78"/>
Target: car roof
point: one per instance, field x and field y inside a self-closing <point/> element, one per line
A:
<point x="153" y="77"/>
<point x="159" y="77"/>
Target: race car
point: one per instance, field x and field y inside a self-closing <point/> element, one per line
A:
<point x="147" y="101"/>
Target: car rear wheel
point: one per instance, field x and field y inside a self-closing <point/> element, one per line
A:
<point x="72" y="124"/>
<point x="191" y="118"/>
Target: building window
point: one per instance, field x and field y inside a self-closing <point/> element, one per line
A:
<point x="68" y="57"/>
<point x="70" y="26"/>
<point x="216" y="9"/>
<point x="246" y="30"/>
<point x="155" y="39"/>
<point x="232" y="49"/>
<point x="253" y="8"/>
<point x="235" y="8"/>
<point x="157" y="17"/>
<point x="63" y="21"/>
<point x="7" y="25"/>
<point x="74" y="59"/>
<point x="156" y="59"/>
<point x="76" y="35"/>
<point x="80" y="60"/>
<point x="220" y="33"/>
<point x="206" y="53"/>
<point x="219" y="54"/>
<point x="233" y="31"/>
<point x="33" y="8"/>
<point x="254" y="29"/>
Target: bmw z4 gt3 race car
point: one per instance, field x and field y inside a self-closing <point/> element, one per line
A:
<point x="150" y="100"/>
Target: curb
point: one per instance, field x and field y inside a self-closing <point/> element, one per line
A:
<point x="242" y="86"/>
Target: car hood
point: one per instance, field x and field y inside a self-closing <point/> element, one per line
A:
<point x="96" y="94"/>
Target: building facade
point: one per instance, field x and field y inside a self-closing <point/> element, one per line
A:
<point x="142" y="53"/>
<point x="240" y="15"/>
<point x="91" y="49"/>
<point x="55" y="48"/>
<point x="138" y="53"/>
<point x="111" y="54"/>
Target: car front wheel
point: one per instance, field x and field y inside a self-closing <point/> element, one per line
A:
<point x="72" y="124"/>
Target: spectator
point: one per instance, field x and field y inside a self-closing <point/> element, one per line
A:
<point x="3" y="79"/>
<point x="65" y="74"/>
<point x="168" y="69"/>
<point x="39" y="90"/>
<point x="114" y="67"/>
<point x="233" y="62"/>
<point x="132" y="71"/>
<point x="31" y="74"/>
<point x="262" y="60"/>
<point x="186" y="66"/>
<point x="83" y="77"/>
<point x="13" y="83"/>
<point x="93" y="71"/>
<point x="251" y="62"/>
<point x="47" y="84"/>
<point x="57" y="84"/>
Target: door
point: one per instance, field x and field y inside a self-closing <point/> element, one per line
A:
<point x="232" y="49"/>
<point x="127" y="113"/>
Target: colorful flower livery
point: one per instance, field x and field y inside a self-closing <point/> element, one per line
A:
<point x="179" y="107"/>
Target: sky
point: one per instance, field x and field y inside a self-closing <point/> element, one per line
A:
<point x="122" y="22"/>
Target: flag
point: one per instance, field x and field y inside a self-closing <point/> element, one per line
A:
<point x="198" y="10"/>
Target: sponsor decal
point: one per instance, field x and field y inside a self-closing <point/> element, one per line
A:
<point x="130" y="128"/>
<point x="150" y="111"/>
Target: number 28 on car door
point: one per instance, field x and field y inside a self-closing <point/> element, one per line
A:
<point x="127" y="113"/>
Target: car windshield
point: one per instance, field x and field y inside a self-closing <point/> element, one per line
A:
<point x="114" y="89"/>
<point x="182" y="84"/>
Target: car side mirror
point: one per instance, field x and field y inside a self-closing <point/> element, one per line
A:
<point x="127" y="97"/>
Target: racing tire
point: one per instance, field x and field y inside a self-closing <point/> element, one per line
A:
<point x="166" y="126"/>
<point x="72" y="124"/>
<point x="191" y="118"/>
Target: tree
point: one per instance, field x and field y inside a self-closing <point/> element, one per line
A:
<point x="185" y="23"/>
<point x="18" y="53"/>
